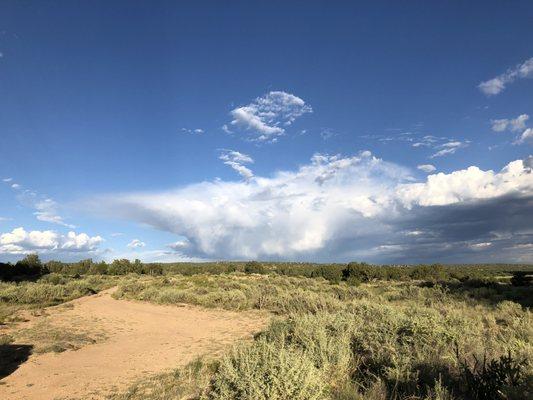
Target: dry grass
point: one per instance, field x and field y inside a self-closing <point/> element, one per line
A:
<point x="47" y="337"/>
<point x="376" y="341"/>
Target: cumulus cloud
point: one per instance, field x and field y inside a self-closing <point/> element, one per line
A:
<point x="514" y="125"/>
<point x="427" y="168"/>
<point x="496" y="85"/>
<point x="20" y="241"/>
<point x="236" y="160"/>
<point x="467" y="185"/>
<point x="135" y="244"/>
<point x="268" y="116"/>
<point x="342" y="208"/>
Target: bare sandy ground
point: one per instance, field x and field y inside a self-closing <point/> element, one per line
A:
<point x="141" y="339"/>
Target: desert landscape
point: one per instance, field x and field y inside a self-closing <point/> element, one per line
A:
<point x="266" y="200"/>
<point x="264" y="331"/>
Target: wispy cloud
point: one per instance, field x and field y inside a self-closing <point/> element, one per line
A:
<point x="526" y="137"/>
<point x="449" y="148"/>
<point x="196" y="131"/>
<point x="236" y="160"/>
<point x="441" y="145"/>
<point x="46" y="209"/>
<point x="496" y="85"/>
<point x="267" y="117"/>
<point x="327" y="133"/>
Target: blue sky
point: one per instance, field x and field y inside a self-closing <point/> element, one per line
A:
<point x="163" y="131"/>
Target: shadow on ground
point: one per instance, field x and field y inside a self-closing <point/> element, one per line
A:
<point x="12" y="356"/>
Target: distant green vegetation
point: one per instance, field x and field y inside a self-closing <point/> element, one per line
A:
<point x="341" y="331"/>
<point x="353" y="272"/>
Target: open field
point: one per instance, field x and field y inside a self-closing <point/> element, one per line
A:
<point x="344" y="332"/>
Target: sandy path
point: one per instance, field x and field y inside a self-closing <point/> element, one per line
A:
<point x="142" y="339"/>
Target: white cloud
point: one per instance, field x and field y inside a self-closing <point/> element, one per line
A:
<point x="526" y="137"/>
<point x="333" y="208"/>
<point x="196" y="131"/>
<point x="266" y="117"/>
<point x="449" y="148"/>
<point x="514" y="125"/>
<point x="180" y="245"/>
<point x="80" y="242"/>
<point x="135" y="244"/>
<point x="20" y="241"/>
<point x="235" y="160"/>
<point x="45" y="207"/>
<point x="480" y="246"/>
<point x="47" y="212"/>
<point x="466" y="185"/>
<point x="428" y="168"/>
<point x="496" y="85"/>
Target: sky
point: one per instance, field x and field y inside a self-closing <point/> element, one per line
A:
<point x="386" y="132"/>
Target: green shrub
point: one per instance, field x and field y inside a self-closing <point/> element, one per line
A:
<point x="264" y="371"/>
<point x="332" y="273"/>
<point x="362" y="272"/>
<point x="254" y="267"/>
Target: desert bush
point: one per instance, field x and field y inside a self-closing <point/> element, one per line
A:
<point x="375" y="341"/>
<point x="264" y="371"/>
<point x="51" y="289"/>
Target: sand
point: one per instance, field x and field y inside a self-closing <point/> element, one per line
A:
<point x="140" y="339"/>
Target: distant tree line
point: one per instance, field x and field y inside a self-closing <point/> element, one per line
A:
<point x="354" y="273"/>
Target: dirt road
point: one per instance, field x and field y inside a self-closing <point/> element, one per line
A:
<point x="140" y="339"/>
